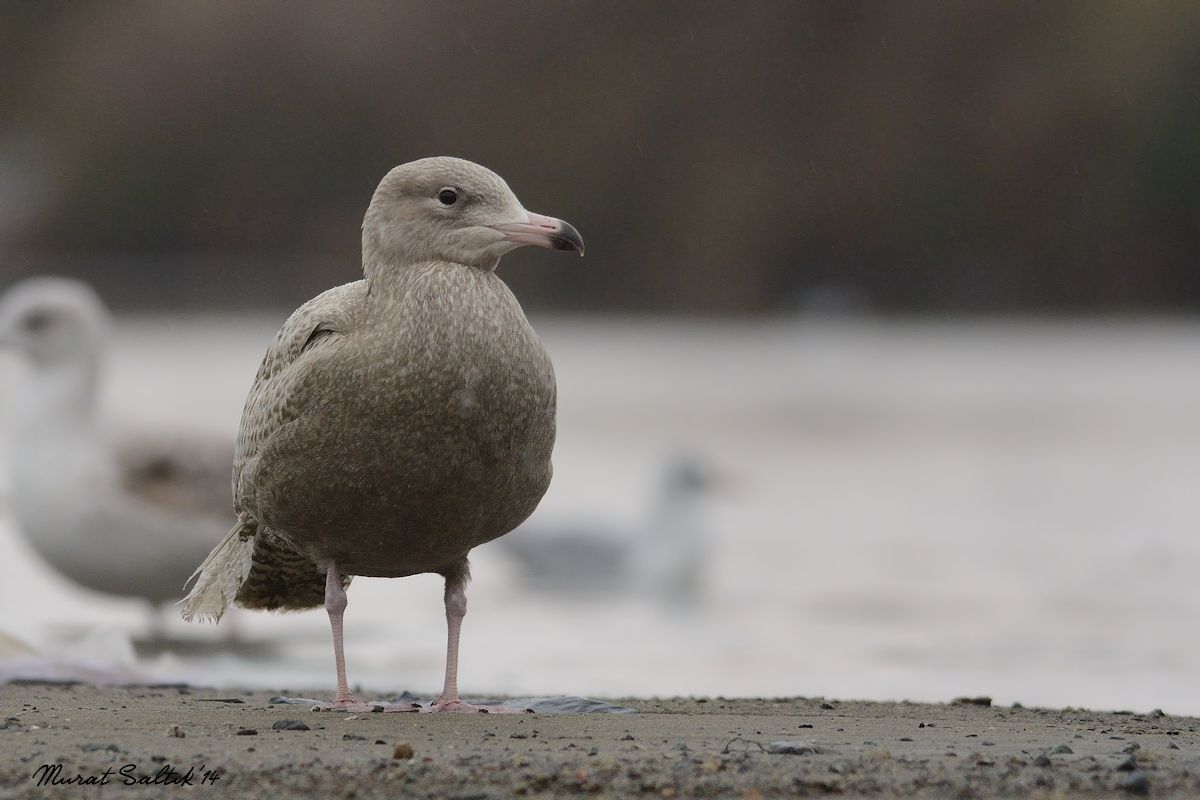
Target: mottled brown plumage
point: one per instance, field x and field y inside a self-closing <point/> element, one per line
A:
<point x="398" y="421"/>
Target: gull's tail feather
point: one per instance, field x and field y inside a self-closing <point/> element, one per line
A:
<point x="219" y="577"/>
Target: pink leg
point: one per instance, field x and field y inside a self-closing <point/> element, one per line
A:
<point x="456" y="609"/>
<point x="335" y="605"/>
<point x="449" y="701"/>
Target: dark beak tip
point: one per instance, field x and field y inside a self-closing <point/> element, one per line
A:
<point x="568" y="246"/>
<point x="569" y="239"/>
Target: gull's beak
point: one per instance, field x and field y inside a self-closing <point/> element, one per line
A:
<point x="547" y="232"/>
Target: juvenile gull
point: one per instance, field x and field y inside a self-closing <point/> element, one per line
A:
<point x="397" y="421"/>
<point x="122" y="514"/>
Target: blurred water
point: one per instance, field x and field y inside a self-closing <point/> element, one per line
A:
<point x="919" y="510"/>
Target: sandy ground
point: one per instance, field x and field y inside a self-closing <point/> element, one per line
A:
<point x="237" y="744"/>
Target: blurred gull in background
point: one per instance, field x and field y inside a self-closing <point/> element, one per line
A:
<point x="663" y="558"/>
<point x="126" y="514"/>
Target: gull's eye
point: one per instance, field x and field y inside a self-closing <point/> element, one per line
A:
<point x="447" y="196"/>
<point x="37" y="321"/>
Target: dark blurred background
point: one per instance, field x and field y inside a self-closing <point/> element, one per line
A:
<point x="718" y="157"/>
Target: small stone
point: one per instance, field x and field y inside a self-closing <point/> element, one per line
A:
<point x="246" y="732"/>
<point x="1135" y="783"/>
<point x="627" y="737"/>
<point x="1158" y="712"/>
<point x="982" y="700"/>
<point x="402" y="750"/>
<point x="1042" y="761"/>
<point x="1131" y="748"/>
<point x="804" y="725"/>
<point x="828" y="706"/>
<point x="791" y="748"/>
<point x="1060" y="750"/>
<point x="380" y="741"/>
<point x="518" y="735"/>
<point x="289" y="725"/>
<point x="353" y="737"/>
<point x="1127" y="764"/>
<point x="1172" y="746"/>
<point x="176" y="732"/>
<point x="906" y="738"/>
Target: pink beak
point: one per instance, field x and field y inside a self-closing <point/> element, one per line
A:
<point x="547" y="232"/>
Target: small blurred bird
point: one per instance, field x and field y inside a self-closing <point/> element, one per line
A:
<point x="663" y="558"/>
<point x="122" y="514"/>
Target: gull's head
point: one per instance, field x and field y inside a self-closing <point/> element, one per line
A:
<point x="53" y="322"/>
<point x="686" y="473"/>
<point x="448" y="209"/>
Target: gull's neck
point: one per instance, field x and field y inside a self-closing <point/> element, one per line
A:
<point x="58" y="398"/>
<point x="386" y="268"/>
<point x="392" y="284"/>
<point x="673" y="507"/>
<point x="388" y="279"/>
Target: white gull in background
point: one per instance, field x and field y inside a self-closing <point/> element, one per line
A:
<point x="126" y="513"/>
<point x="663" y="558"/>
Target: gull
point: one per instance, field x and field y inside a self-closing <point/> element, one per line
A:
<point x="121" y="512"/>
<point x="397" y="421"/>
<point x="662" y="558"/>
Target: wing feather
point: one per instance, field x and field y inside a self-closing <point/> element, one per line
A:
<point x="252" y="566"/>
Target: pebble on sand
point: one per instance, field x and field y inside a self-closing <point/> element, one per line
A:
<point x="1127" y="764"/>
<point x="1135" y="783"/>
<point x="289" y="725"/>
